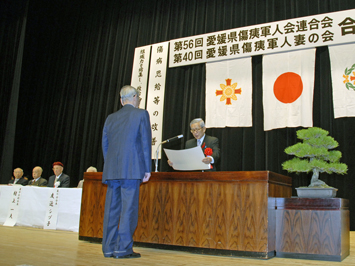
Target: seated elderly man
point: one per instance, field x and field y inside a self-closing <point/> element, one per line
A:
<point x="38" y="180"/>
<point x="19" y="179"/>
<point x="59" y="179"/>
<point x="90" y="169"/>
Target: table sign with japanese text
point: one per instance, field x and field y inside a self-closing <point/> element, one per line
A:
<point x="51" y="217"/>
<point x="12" y="214"/>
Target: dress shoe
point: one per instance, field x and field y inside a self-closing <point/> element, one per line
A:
<point x="129" y="256"/>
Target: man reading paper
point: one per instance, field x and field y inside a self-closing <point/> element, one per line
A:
<point x="208" y="144"/>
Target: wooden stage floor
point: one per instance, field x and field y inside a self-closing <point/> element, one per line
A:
<point x="36" y="247"/>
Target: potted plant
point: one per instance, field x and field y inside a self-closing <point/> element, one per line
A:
<point x="314" y="155"/>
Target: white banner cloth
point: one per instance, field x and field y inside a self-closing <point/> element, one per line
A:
<point x="271" y="37"/>
<point x="288" y="86"/>
<point x="140" y="72"/>
<point x="156" y="92"/>
<point x="342" y="61"/>
<point x="229" y="93"/>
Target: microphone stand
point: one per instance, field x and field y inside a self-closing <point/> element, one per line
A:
<point x="156" y="158"/>
<point x="157" y="152"/>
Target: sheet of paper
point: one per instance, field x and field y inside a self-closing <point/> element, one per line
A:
<point x="188" y="159"/>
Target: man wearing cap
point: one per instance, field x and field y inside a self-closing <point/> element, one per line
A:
<point x="59" y="179"/>
<point x="126" y="145"/>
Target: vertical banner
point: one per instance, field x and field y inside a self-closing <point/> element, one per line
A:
<point x="12" y="214"/>
<point x="288" y="85"/>
<point x="140" y="72"/>
<point x="229" y="93"/>
<point x="156" y="92"/>
<point x="50" y="220"/>
<point x="342" y="61"/>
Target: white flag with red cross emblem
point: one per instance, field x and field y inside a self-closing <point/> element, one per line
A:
<point x="229" y="93"/>
<point x="288" y="85"/>
<point x="342" y="61"/>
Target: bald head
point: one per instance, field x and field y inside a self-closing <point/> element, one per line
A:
<point x="18" y="173"/>
<point x="37" y="172"/>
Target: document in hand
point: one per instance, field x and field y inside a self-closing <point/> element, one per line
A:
<point x="188" y="159"/>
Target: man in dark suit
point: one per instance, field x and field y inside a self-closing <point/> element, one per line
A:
<point x="18" y="178"/>
<point x="37" y="179"/>
<point x="59" y="179"/>
<point x="126" y="145"/>
<point x="208" y="144"/>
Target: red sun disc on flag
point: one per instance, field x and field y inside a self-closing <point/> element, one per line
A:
<point x="288" y="87"/>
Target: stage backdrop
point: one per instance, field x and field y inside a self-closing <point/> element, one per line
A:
<point x="77" y="54"/>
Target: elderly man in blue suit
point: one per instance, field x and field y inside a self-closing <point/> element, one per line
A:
<point x="126" y="145"/>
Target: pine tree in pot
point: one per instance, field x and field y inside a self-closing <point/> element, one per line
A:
<point x="313" y="155"/>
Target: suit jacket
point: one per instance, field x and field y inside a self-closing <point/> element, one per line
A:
<point x="208" y="142"/>
<point x="63" y="179"/>
<point x="126" y="144"/>
<point x="22" y="181"/>
<point x="41" y="182"/>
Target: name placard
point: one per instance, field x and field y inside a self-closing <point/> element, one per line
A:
<point x="13" y="212"/>
<point x="50" y="221"/>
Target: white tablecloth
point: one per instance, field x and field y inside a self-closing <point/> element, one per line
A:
<point x="33" y="207"/>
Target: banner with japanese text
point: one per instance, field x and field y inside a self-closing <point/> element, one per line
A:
<point x="140" y="72"/>
<point x="229" y="93"/>
<point x="273" y="37"/>
<point x="288" y="86"/>
<point x="342" y="61"/>
<point x="156" y="92"/>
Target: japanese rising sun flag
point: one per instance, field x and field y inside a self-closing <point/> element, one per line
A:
<point x="288" y="85"/>
<point x="342" y="61"/>
<point x="229" y="93"/>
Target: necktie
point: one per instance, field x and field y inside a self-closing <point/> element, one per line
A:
<point x="198" y="142"/>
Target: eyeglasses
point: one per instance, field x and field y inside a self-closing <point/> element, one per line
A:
<point x="195" y="130"/>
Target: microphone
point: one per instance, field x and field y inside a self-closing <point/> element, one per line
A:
<point x="172" y="139"/>
<point x="157" y="152"/>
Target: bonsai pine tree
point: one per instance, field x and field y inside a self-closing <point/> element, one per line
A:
<point x="313" y="155"/>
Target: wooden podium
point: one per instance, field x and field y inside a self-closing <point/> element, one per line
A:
<point x="221" y="213"/>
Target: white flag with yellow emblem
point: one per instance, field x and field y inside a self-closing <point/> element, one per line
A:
<point x="229" y="93"/>
<point x="342" y="61"/>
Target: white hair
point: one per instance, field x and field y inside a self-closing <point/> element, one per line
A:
<point x="91" y="169"/>
<point x="198" y="120"/>
<point x="127" y="93"/>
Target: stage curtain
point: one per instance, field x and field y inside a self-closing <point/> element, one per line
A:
<point x="13" y="16"/>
